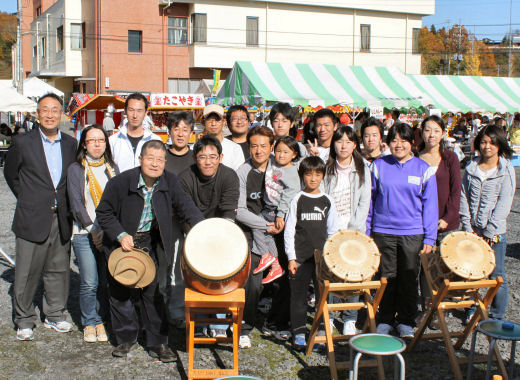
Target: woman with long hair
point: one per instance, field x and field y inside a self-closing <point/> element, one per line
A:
<point x="402" y="221"/>
<point x="488" y="189"/>
<point x="86" y="181"/>
<point x="445" y="162"/>
<point x="347" y="181"/>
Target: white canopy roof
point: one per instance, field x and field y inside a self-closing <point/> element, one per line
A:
<point x="12" y="101"/>
<point x="35" y="87"/>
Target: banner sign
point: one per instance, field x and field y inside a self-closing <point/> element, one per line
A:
<point x="176" y="101"/>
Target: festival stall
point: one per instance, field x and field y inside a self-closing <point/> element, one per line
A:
<point x="314" y="85"/>
<point x="12" y="101"/>
<point x="90" y="109"/>
<point x="161" y="104"/>
<point x="35" y="88"/>
<point x="452" y="93"/>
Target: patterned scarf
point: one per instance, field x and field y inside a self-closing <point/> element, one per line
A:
<point x="93" y="185"/>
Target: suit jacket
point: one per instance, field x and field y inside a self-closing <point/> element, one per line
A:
<point x="29" y="179"/>
<point x="122" y="204"/>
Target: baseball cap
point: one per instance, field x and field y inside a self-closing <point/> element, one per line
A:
<point x="214" y="108"/>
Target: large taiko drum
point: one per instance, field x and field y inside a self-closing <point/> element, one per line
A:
<point x="462" y="256"/>
<point x="216" y="257"/>
<point x="349" y="256"/>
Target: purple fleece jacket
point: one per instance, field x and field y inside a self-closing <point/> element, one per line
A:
<point x="404" y="198"/>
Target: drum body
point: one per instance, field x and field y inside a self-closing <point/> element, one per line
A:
<point x="216" y="257"/>
<point x="348" y="256"/>
<point x="462" y="256"/>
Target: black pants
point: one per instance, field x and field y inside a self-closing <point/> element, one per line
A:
<point x="253" y="290"/>
<point x="279" y="315"/>
<point x="400" y="265"/>
<point x="299" y="285"/>
<point x="125" y="323"/>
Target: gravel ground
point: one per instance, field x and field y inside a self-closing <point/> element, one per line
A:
<point x="64" y="356"/>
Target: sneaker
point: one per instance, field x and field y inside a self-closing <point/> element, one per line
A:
<point x="299" y="342"/>
<point x="209" y="332"/>
<point x="468" y="316"/>
<point x="24" y="334"/>
<point x="265" y="262"/>
<point x="101" y="334"/>
<point x="384" y="328"/>
<point x="219" y="333"/>
<point x="349" y="328"/>
<point x="89" y="334"/>
<point x="61" y="326"/>
<point x="275" y="272"/>
<point x="282" y="335"/>
<point x="244" y="341"/>
<point x="405" y="331"/>
<point x="331" y="324"/>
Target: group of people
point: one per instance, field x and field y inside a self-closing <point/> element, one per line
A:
<point x="130" y="190"/>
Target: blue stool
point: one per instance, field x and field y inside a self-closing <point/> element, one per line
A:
<point x="376" y="345"/>
<point x="494" y="329"/>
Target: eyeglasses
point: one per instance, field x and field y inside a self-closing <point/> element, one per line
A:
<point x="151" y="159"/>
<point x="211" y="157"/>
<point x="48" y="111"/>
<point x="95" y="141"/>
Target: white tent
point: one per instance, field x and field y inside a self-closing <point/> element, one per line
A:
<point x="35" y="87"/>
<point x="12" y="101"/>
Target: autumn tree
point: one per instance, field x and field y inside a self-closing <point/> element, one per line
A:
<point x="7" y="39"/>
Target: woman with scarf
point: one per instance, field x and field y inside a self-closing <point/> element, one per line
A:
<point x="86" y="181"/>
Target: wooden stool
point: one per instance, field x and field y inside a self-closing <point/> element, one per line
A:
<point x="198" y="304"/>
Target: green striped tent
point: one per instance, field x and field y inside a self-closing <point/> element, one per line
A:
<point x="319" y="85"/>
<point x="470" y="93"/>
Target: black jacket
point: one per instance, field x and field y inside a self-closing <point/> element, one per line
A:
<point x="122" y="204"/>
<point x="29" y="179"/>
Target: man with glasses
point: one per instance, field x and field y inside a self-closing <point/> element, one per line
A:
<point x="213" y="124"/>
<point x="126" y="145"/>
<point x="238" y="123"/>
<point x="36" y="172"/>
<point x="137" y="209"/>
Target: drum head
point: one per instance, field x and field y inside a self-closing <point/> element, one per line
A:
<point x="351" y="256"/>
<point x="216" y="249"/>
<point x="467" y="255"/>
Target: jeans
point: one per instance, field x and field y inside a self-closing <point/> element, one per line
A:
<point x="499" y="304"/>
<point x="93" y="300"/>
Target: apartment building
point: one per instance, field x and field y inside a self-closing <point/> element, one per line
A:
<point x="169" y="46"/>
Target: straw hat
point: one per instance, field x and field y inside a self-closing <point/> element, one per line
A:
<point x="134" y="269"/>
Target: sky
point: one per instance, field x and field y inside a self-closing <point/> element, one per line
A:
<point x="484" y="18"/>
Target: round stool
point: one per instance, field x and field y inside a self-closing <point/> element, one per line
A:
<point x="377" y="345"/>
<point x="493" y="329"/>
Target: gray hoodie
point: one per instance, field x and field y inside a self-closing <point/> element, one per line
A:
<point x="485" y="205"/>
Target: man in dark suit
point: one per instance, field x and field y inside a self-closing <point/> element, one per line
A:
<point x="36" y="172"/>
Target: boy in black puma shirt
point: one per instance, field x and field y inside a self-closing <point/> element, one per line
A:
<point x="310" y="221"/>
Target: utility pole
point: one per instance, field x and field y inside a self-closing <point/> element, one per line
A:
<point x="19" y="74"/>
<point x="510" y="33"/>
<point x="459" y="56"/>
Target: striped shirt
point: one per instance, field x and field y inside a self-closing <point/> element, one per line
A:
<point x="145" y="223"/>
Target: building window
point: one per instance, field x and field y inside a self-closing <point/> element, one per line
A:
<point x="77" y="36"/>
<point x="38" y="11"/>
<point x="183" y="85"/>
<point x="35" y="51"/>
<point x="177" y="31"/>
<point x="59" y="38"/>
<point x="199" y="26"/>
<point x="44" y="46"/>
<point x="252" y="31"/>
<point x="416" y="34"/>
<point x="135" y="41"/>
<point x="365" y="37"/>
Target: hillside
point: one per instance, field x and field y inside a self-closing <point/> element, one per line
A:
<point x="7" y="39"/>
